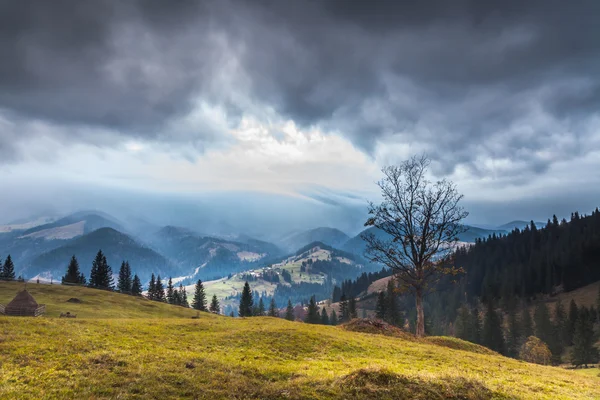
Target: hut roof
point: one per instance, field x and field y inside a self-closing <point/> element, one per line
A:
<point x="23" y="299"/>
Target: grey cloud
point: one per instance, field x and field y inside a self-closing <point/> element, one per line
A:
<point x="462" y="78"/>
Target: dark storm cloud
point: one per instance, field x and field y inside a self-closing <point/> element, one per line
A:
<point x="460" y="79"/>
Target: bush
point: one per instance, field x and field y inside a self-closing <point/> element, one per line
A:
<point x="535" y="351"/>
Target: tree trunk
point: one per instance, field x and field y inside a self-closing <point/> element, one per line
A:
<point x="420" y="331"/>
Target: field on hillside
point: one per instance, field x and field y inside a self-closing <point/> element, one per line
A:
<point x="220" y="357"/>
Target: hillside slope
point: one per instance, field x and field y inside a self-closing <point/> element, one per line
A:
<point x="216" y="357"/>
<point x="330" y="236"/>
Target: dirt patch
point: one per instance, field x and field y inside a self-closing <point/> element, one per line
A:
<point x="377" y="327"/>
<point x="74" y="300"/>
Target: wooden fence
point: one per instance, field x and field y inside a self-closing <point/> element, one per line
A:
<point x="23" y="311"/>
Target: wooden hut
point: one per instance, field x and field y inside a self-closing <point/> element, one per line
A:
<point x="23" y="305"/>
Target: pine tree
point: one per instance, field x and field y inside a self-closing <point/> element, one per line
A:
<point x="73" y="274"/>
<point x="312" y="316"/>
<point x="557" y="344"/>
<point x="183" y="300"/>
<point x="392" y="314"/>
<point x="170" y="292"/>
<point x="246" y="302"/>
<point x="380" y="307"/>
<point x="199" y="302"/>
<point x="152" y="288"/>
<point x="475" y="327"/>
<point x="462" y="325"/>
<point x="136" y="286"/>
<point x="333" y="319"/>
<point x="160" y="290"/>
<point x="526" y="323"/>
<point x="260" y="312"/>
<point x="344" y="309"/>
<point x="96" y="267"/>
<point x="273" y="308"/>
<point x="324" y="317"/>
<point x="82" y="280"/>
<point x="584" y="351"/>
<point x="573" y="314"/>
<point x="289" y="311"/>
<point x="513" y="338"/>
<point x="598" y="302"/>
<point x="352" y="308"/>
<point x="543" y="325"/>
<point x="124" y="282"/>
<point x="176" y="298"/>
<point x="492" y="330"/>
<point x="8" y="269"/>
<point x="215" y="307"/>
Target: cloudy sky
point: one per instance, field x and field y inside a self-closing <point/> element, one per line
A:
<point x="300" y="99"/>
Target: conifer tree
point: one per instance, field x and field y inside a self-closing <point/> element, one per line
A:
<point x="333" y="319"/>
<point x="543" y="325"/>
<point x="392" y="314"/>
<point x="215" y="307"/>
<point x="312" y="316"/>
<point x="475" y="327"/>
<point x="598" y="301"/>
<point x="199" y="302"/>
<point x="73" y="274"/>
<point x="160" y="290"/>
<point x="152" y="288"/>
<point x="380" y="307"/>
<point x="584" y="351"/>
<point x="513" y="338"/>
<point x="183" y="300"/>
<point x="136" y="286"/>
<point x="260" y="312"/>
<point x="273" y="308"/>
<point x="170" y="292"/>
<point x="246" y="302"/>
<point x="289" y="311"/>
<point x="176" y="298"/>
<point x="352" y="308"/>
<point x="97" y="274"/>
<point x="8" y="269"/>
<point x="462" y="324"/>
<point x="492" y="330"/>
<point x="344" y="309"/>
<point x="560" y="323"/>
<point x="105" y="275"/>
<point x="324" y="317"/>
<point x="573" y="314"/>
<point x="124" y="282"/>
<point x="526" y="323"/>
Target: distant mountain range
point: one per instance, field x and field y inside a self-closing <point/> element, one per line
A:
<point x="44" y="246"/>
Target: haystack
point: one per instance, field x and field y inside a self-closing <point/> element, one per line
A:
<point x="23" y="305"/>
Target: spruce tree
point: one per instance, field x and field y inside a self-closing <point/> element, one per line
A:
<point x="160" y="290"/>
<point x="215" y="307"/>
<point x="492" y="330"/>
<point x="557" y="342"/>
<point x="183" y="300"/>
<point x="543" y="325"/>
<point x="96" y="267"/>
<point x="260" y="311"/>
<point x="392" y="314"/>
<point x="8" y="269"/>
<point x="475" y="327"/>
<point x="152" y="288"/>
<point x="170" y="292"/>
<point x="312" y="316"/>
<point x="352" y="308"/>
<point x="136" y="286"/>
<point x="598" y="302"/>
<point x="289" y="311"/>
<point x="124" y="282"/>
<point x="73" y="274"/>
<point x="104" y="278"/>
<point x="344" y="309"/>
<point x="584" y="351"/>
<point x="175" y="298"/>
<point x="324" y="317"/>
<point x="513" y="338"/>
<point x="246" y="302"/>
<point x="573" y="314"/>
<point x="526" y="324"/>
<point x="380" y="307"/>
<point x="273" y="308"/>
<point x="199" y="302"/>
<point x="462" y="325"/>
<point x="82" y="280"/>
<point x="333" y="319"/>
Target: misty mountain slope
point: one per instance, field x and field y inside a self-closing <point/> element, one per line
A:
<point x="357" y="245"/>
<point x="72" y="226"/>
<point x="114" y="244"/>
<point x="209" y="257"/>
<point x="509" y="226"/>
<point x="329" y="236"/>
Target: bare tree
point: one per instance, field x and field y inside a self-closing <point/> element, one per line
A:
<point x="420" y="222"/>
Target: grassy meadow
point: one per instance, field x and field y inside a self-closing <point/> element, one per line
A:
<point x="121" y="348"/>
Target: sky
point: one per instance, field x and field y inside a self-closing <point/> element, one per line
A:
<point x="294" y="106"/>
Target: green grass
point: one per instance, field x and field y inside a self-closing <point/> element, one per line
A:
<point x="110" y="356"/>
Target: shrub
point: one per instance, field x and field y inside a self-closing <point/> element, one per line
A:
<point x="535" y="351"/>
